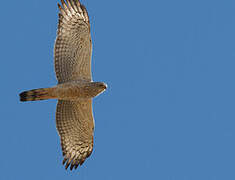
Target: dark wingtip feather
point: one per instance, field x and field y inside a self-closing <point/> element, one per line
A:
<point x="67" y="165"/>
<point x="64" y="161"/>
<point x="71" y="167"/>
<point x="82" y="161"/>
<point x="76" y="166"/>
<point x="59" y="6"/>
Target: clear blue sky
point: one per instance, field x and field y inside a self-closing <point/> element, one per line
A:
<point x="168" y="113"/>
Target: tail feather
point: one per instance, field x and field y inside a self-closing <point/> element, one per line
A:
<point x="37" y="94"/>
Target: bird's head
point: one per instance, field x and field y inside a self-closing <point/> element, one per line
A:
<point x="100" y="87"/>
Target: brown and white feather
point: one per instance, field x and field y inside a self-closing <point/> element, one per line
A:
<point x="73" y="46"/>
<point x="74" y="122"/>
<point x="72" y="58"/>
<point x="75" y="88"/>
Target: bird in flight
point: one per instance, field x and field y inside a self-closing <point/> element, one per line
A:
<point x="75" y="88"/>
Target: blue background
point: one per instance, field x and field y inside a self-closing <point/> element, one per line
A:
<point x="168" y="112"/>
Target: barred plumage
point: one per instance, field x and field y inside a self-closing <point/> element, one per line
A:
<point x="73" y="47"/>
<point x="75" y="89"/>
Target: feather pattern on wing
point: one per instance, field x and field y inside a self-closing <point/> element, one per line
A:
<point x="74" y="122"/>
<point x="73" y="46"/>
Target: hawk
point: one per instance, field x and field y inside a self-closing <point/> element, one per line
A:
<point x="75" y="88"/>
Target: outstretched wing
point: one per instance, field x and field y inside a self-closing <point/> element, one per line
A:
<point x="74" y="122"/>
<point x="73" y="46"/>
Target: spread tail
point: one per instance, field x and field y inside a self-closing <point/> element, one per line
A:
<point x="37" y="94"/>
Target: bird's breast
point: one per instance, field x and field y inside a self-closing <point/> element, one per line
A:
<point x="75" y="90"/>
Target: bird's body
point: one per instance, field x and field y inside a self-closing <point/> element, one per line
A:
<point x="73" y="91"/>
<point x="75" y="88"/>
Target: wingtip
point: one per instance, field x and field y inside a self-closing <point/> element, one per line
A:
<point x="76" y="166"/>
<point x="64" y="161"/>
<point x="71" y="167"/>
<point x="59" y="6"/>
<point x="67" y="165"/>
